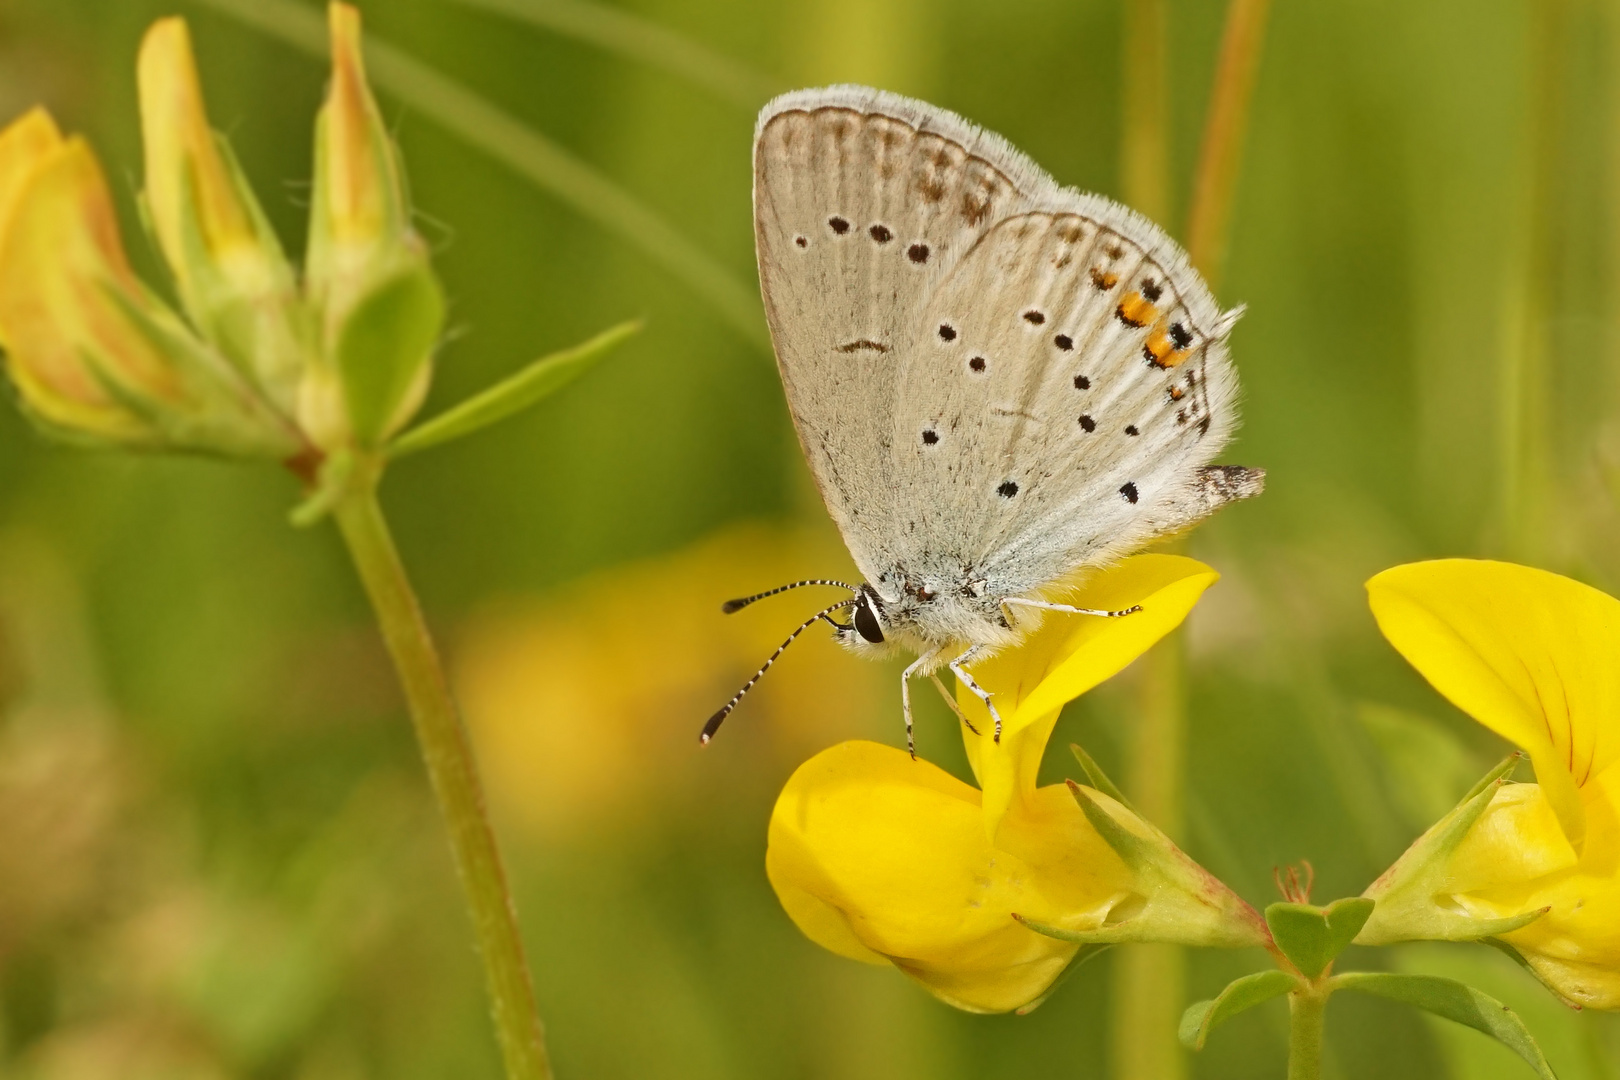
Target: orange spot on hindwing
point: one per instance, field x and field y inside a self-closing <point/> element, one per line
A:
<point x="1136" y="310"/>
<point x="1161" y="349"/>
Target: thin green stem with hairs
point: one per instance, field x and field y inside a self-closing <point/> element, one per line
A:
<point x="447" y="753"/>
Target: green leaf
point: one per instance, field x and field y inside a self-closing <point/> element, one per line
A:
<point x="512" y="395"/>
<point x="1098" y="778"/>
<point x="1454" y="1001"/>
<point x="1313" y="936"/>
<point x="1240" y="995"/>
<point x="384" y="341"/>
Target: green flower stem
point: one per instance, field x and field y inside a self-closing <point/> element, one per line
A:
<point x="1306" y="1011"/>
<point x="448" y="755"/>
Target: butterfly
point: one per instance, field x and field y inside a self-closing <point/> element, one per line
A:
<point x="997" y="381"/>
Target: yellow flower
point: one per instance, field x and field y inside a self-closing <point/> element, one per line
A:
<point x="1535" y="657"/>
<point x="92" y="351"/>
<point x="230" y="273"/>
<point x="886" y="859"/>
<point x="376" y="302"/>
<point x="260" y="365"/>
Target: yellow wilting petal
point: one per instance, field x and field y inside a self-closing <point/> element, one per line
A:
<point x="24" y="144"/>
<point x="378" y="306"/>
<point x="879" y="857"/>
<point x="1529" y="654"/>
<point x="1066" y="656"/>
<point x="91" y="351"/>
<point x="229" y="269"/>
<point x="59" y="257"/>
<point x="359" y="216"/>
<point x="185" y="176"/>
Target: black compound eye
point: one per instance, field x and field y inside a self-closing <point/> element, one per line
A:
<point x="866" y="622"/>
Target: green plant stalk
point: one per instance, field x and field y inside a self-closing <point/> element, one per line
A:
<point x="1226" y="127"/>
<point x="1528" y="307"/>
<point x="1149" y="980"/>
<point x="1307" y="1009"/>
<point x="448" y="755"/>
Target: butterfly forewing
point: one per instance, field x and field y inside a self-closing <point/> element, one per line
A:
<point x="995" y="379"/>
<point x="858" y="215"/>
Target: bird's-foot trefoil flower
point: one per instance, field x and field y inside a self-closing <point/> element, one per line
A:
<point x="256" y="359"/>
<point x="1535" y="657"/>
<point x="887" y="859"/>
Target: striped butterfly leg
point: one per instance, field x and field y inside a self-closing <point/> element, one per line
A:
<point x="905" y="695"/>
<point x="950" y="700"/>
<point x="978" y="691"/>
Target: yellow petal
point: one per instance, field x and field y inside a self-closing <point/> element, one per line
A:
<point x="877" y="857"/>
<point x="185" y="176"/>
<point x="1521" y="862"/>
<point x="1066" y="656"/>
<point x="359" y="199"/>
<point x="1529" y="654"/>
<point x="24" y="143"/>
<point x="60" y="256"/>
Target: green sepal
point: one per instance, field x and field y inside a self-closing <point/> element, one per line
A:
<point x="217" y="411"/>
<point x="384" y="341"/>
<point x="1081" y="957"/>
<point x="1173" y="899"/>
<point x="536" y="382"/>
<point x="1406" y="892"/>
<point x="1455" y="1001"/>
<point x="1130" y="847"/>
<point x="332" y="482"/>
<point x="1098" y="778"/>
<point x="1312" y="937"/>
<point x="1240" y="995"/>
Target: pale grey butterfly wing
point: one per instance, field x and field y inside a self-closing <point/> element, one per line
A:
<point x="933" y="296"/>
<point x="1075" y="385"/>
<point x="858" y="216"/>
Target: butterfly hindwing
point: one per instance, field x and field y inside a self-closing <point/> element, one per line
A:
<point x="1074" y="396"/>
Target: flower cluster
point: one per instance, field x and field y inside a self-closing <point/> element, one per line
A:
<point x="986" y="895"/>
<point x="254" y="360"/>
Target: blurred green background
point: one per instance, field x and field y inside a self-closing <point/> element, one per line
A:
<point x="217" y="853"/>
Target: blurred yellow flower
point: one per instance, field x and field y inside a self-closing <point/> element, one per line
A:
<point x="882" y="858"/>
<point x="585" y="703"/>
<point x="1535" y="657"/>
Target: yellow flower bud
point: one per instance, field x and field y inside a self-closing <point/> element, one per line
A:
<point x="1533" y="656"/>
<point x="231" y="275"/>
<point x="368" y="276"/>
<point x="883" y="858"/>
<point x="93" y="353"/>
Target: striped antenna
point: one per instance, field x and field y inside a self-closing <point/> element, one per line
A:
<point x="725" y="710"/>
<point x="731" y="606"/>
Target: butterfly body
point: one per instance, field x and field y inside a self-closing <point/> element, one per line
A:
<point x="997" y="381"/>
